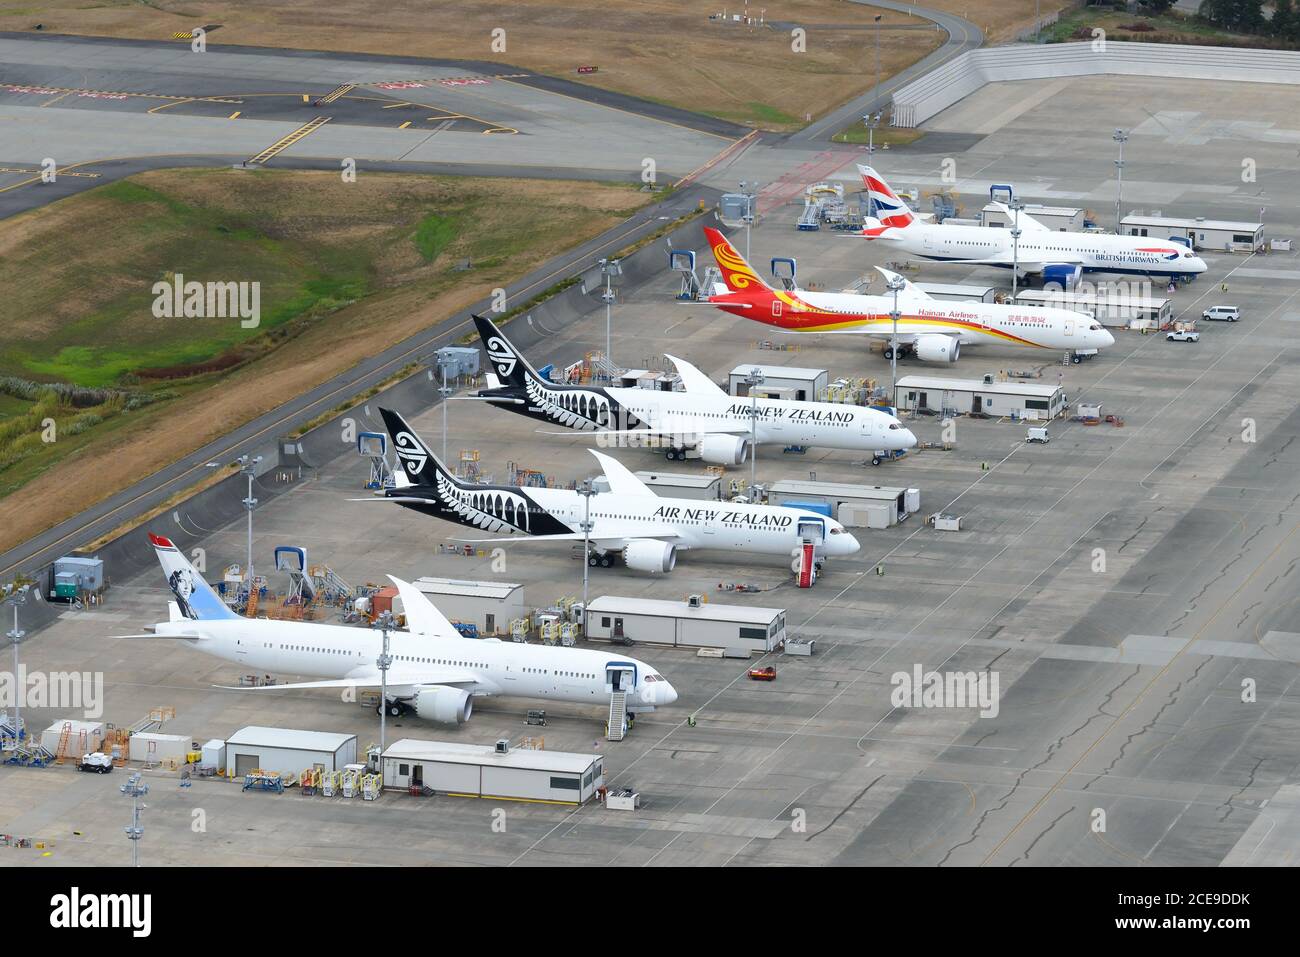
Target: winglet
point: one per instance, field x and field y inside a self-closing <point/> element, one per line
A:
<point x="422" y="615"/>
<point x="621" y="480"/>
<point x="910" y="290"/>
<point x="696" y="382"/>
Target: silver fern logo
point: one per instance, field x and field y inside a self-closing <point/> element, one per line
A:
<point x="573" y="408"/>
<point x="502" y="356"/>
<point x="492" y="509"/>
<point x="413" y="456"/>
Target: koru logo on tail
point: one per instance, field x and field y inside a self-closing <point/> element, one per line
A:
<point x="502" y="356"/>
<point x="412" y="454"/>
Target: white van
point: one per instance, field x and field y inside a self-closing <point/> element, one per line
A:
<point x="1222" y="313"/>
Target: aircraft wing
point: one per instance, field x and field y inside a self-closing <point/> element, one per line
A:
<point x="422" y="615"/>
<point x="1025" y="265"/>
<point x="399" y="680"/>
<point x="604" y="530"/>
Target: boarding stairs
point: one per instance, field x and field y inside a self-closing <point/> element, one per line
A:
<point x="327" y="585"/>
<point x="616" y="730"/>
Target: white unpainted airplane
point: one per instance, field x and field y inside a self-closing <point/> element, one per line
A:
<point x="1056" y="256"/>
<point x="930" y="329"/>
<point x="435" y="672"/>
<point x="704" y="419"/>
<point x="629" y="520"/>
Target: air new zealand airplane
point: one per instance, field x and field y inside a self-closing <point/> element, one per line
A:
<point x="703" y="421"/>
<point x="628" y="522"/>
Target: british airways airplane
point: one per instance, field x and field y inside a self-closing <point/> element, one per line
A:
<point x="1056" y="256"/>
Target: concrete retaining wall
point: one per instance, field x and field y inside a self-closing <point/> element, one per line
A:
<point x="921" y="99"/>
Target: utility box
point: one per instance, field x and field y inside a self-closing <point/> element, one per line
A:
<point x="459" y="361"/>
<point x="73" y="576"/>
<point x="800" y="646"/>
<point x="214" y="754"/>
<point x="946" y="523"/>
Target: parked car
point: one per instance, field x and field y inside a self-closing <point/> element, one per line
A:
<point x="1222" y="313"/>
<point x="1183" y="335"/>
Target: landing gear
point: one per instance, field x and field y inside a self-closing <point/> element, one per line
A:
<point x="889" y="353"/>
<point x="395" y="709"/>
<point x="1076" y="358"/>
<point x="600" y="559"/>
<point x="675" y="455"/>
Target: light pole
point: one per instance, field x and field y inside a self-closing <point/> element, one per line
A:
<point x="896" y="284"/>
<point x="248" y="466"/>
<point x="609" y="268"/>
<point x="1120" y="137"/>
<point x="444" y="360"/>
<point x="748" y="188"/>
<point x="586" y="491"/>
<point x="135" y="788"/>
<point x="871" y="121"/>
<point x="875" y="93"/>
<point x="1016" y="206"/>
<point x="17" y="597"/>
<point x="752" y="379"/>
<point x="384" y="622"/>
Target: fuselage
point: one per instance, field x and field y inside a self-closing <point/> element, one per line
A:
<point x="498" y="668"/>
<point x="691" y="523"/>
<point x="1093" y="252"/>
<point x="973" y="323"/>
<point x="683" y="416"/>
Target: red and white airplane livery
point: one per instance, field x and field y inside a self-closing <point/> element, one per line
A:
<point x="930" y="329"/>
<point x="1057" y="256"/>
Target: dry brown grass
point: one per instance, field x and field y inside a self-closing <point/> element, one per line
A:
<point x="158" y="436"/>
<point x="661" y="50"/>
<point x="1000" y="20"/>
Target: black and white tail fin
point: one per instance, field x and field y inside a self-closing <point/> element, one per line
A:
<point x="195" y="598"/>
<point x="509" y="364"/>
<point x="418" y="463"/>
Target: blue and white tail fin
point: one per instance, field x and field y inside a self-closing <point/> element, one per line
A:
<point x="195" y="598"/>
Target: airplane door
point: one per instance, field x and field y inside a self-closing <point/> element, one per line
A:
<point x="1069" y="327"/>
<point x="812" y="529"/>
<point x="776" y="308"/>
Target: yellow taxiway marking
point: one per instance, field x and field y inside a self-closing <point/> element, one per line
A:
<point x="235" y="115"/>
<point x="288" y="140"/>
<point x="305" y="98"/>
<point x="57" y="98"/>
<point x="405" y="125"/>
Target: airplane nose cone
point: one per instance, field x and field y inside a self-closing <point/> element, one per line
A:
<point x="1106" y="339"/>
<point x="850" y="544"/>
<point x="667" y="693"/>
<point x="909" y="439"/>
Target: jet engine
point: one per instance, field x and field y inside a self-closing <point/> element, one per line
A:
<point x="645" y="555"/>
<point x="936" y="348"/>
<point x="724" y="449"/>
<point x="1061" y="276"/>
<point x="443" y="704"/>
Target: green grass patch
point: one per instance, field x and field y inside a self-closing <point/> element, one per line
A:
<point x="890" y="136"/>
<point x="433" y="235"/>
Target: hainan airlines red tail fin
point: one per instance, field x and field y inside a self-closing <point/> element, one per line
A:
<point x="736" y="272"/>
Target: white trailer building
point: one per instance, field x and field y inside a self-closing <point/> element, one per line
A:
<point x="1022" y="400"/>
<point x="1202" y="233"/>
<point x="688" y="624"/>
<point x="82" y="736"/>
<point x="704" y="485"/>
<point x="1062" y="219"/>
<point x="153" y="747"/>
<point x="1107" y="305"/>
<point x="488" y="606"/>
<point x="288" y="751"/>
<point x="957" y="292"/>
<point x="860" y="506"/>
<point x="512" y="774"/>
<point x="779" y="382"/>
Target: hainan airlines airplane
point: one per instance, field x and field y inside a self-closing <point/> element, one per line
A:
<point x="1056" y="256"/>
<point x="435" y="673"/>
<point x="927" y="328"/>
<point x="629" y="520"/>
<point x="703" y="418"/>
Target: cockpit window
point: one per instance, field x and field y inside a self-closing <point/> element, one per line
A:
<point x="894" y="425"/>
<point x="837" y="531"/>
<point x="1094" y="328"/>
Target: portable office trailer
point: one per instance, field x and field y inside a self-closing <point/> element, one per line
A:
<point x="152" y="747"/>
<point x="74" y="575"/>
<point x="513" y="774"/>
<point x="687" y="624"/>
<point x="705" y="486"/>
<point x="847" y="501"/>
<point x="803" y="385"/>
<point x="83" y="736"/>
<point x="1061" y="219"/>
<point x="288" y="751"/>
<point x="1107" y="306"/>
<point x="957" y="292"/>
<point x="1027" y="400"/>
<point x="1202" y="233"/>
<point x="488" y="606"/>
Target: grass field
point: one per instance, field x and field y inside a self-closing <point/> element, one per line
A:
<point x="347" y="269"/>
<point x="662" y="50"/>
<point x="1167" y="28"/>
